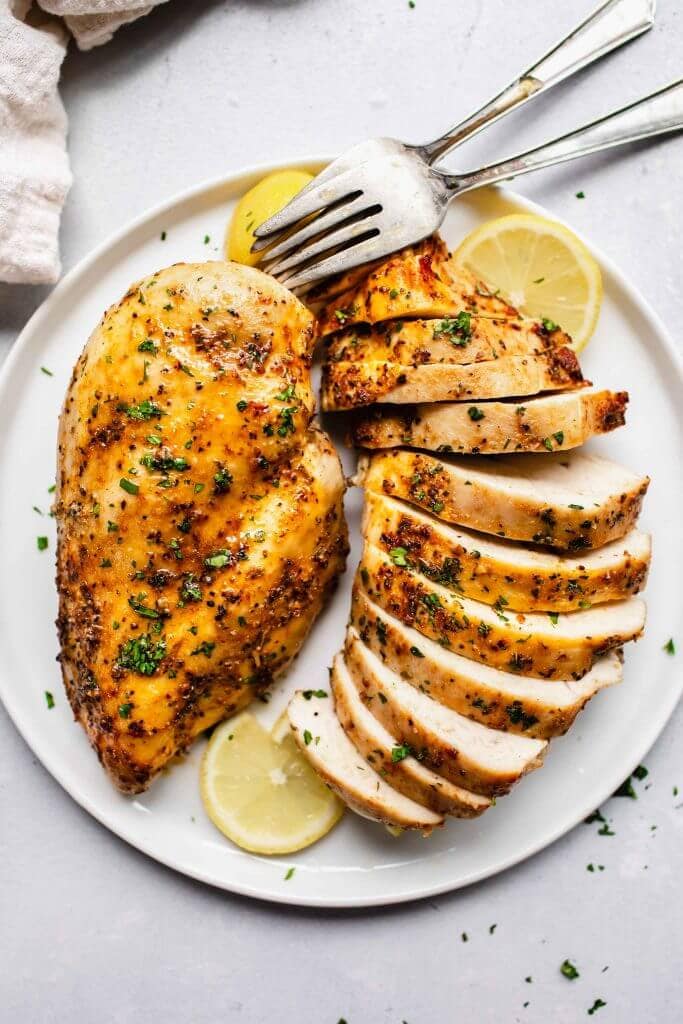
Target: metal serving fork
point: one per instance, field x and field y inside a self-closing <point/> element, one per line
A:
<point x="382" y="195"/>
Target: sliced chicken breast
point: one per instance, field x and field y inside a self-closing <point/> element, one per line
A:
<point x="547" y="423"/>
<point x="404" y="772"/>
<point x="468" y="754"/>
<point x="501" y="700"/>
<point x="483" y="568"/>
<point x="319" y="734"/>
<point x="566" y="501"/>
<point x="348" y="385"/>
<point x="466" y="338"/>
<point x="547" y="646"/>
<point x="424" y="281"/>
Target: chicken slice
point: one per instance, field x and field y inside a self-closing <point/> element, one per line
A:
<point x="349" y="385"/>
<point x="466" y="753"/>
<point x="546" y="646"/>
<point x="405" y="773"/>
<point x="483" y="568"/>
<point x="554" y="422"/>
<point x="466" y="338"/>
<point x="566" y="501"/>
<point x="200" y="521"/>
<point x="319" y="734"/>
<point x="425" y="282"/>
<point x="501" y="700"/>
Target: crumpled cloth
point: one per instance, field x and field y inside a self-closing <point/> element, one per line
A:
<point x="34" y="166"/>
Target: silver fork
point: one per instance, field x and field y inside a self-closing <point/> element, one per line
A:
<point x="382" y="195"/>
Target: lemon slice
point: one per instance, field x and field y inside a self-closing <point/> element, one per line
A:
<point x="258" y="204"/>
<point x="541" y="267"/>
<point x="261" y="792"/>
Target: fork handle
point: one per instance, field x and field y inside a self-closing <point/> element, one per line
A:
<point x="656" y="114"/>
<point x="612" y="24"/>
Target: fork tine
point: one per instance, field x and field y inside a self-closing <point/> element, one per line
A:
<point x="345" y="233"/>
<point x="335" y="215"/>
<point x="364" y="250"/>
<point x="307" y="202"/>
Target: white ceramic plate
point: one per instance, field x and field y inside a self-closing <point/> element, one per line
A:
<point x="358" y="864"/>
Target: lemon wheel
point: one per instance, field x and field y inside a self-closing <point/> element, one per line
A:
<point x="541" y="267"/>
<point x="260" y="791"/>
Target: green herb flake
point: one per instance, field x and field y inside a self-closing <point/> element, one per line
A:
<point x="554" y="617"/>
<point x="128" y="486"/>
<point x="142" y="654"/>
<point x="42" y="543"/>
<point x="219" y="559"/>
<point x="49" y="700"/>
<point x="416" y="652"/>
<point x="163" y="236"/>
<point x="206" y="647"/>
<point x="400" y="753"/>
<point x="48" y="373"/>
<point x="598" y="1004"/>
<point x="475" y="414"/>
<point x="125" y="710"/>
<point x="289" y="874"/>
<point x="569" y="971"/>
<point x="581" y="195"/>
<point x="307" y="737"/>
<point x="399" y="556"/>
<point x="641" y="772"/>
<point x="670" y="646"/>
<point x="549" y="325"/>
<point x="307" y="694"/>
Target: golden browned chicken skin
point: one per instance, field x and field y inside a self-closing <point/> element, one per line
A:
<point x="200" y="522"/>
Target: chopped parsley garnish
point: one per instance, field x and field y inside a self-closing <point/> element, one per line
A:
<point x="128" y="486"/>
<point x="393" y="294"/>
<point x="416" y="652"/>
<point x="125" y="710"/>
<point x="287" y="420"/>
<point x="207" y="239"/>
<point x="242" y="405"/>
<point x="569" y="970"/>
<point x="41" y="543"/>
<point x="307" y="737"/>
<point x="140" y="608"/>
<point x="156" y="462"/>
<point x="163" y="236"/>
<point x="142" y="654"/>
<point x="290" y="874"/>
<point x="475" y="414"/>
<point x="400" y="753"/>
<point x="147" y="410"/>
<point x="581" y="195"/>
<point x="596" y="1006"/>
<point x="219" y="559"/>
<point x="287" y="395"/>
<point x="148" y="346"/>
<point x="48" y="373"/>
<point x="222" y="480"/>
<point x="641" y="772"/>
<point x="554" y="617"/>
<point x="314" y="693"/>
<point x="549" y="325"/>
<point x="457" y="329"/>
<point x="190" y="589"/>
<point x="399" y="557"/>
<point x="206" y="647"/>
<point x="670" y="646"/>
<point x="49" y="700"/>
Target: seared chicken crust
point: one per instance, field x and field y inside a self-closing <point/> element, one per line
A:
<point x="200" y="522"/>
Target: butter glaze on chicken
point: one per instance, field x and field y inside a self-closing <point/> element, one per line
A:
<point x="199" y="512"/>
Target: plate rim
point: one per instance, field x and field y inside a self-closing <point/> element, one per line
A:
<point x="268" y="893"/>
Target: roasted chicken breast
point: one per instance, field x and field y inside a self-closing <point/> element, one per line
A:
<point x="200" y="523"/>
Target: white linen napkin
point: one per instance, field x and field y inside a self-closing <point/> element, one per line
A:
<point x="34" y="166"/>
